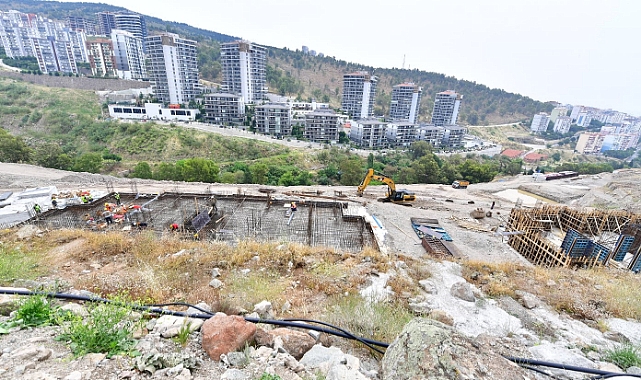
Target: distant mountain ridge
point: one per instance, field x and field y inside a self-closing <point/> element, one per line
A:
<point x="296" y="74"/>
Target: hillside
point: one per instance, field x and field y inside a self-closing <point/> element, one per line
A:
<point x="296" y="74"/>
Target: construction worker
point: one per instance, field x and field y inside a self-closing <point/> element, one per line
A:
<point x="108" y="216"/>
<point x="293" y="206"/>
<point x="174" y="227"/>
<point x="83" y="199"/>
<point x="37" y="208"/>
<point x="117" y="196"/>
<point x="54" y="203"/>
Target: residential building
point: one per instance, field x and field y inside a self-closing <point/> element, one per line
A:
<point x="359" y="92"/>
<point x="105" y="22"/>
<point x="446" y="108"/>
<point x="132" y="23"/>
<point x="556" y="112"/>
<point x="562" y="124"/>
<point x="430" y="133"/>
<point x="224" y="109"/>
<point x="173" y="68"/>
<point x="400" y="134"/>
<point x="322" y="126"/>
<point x="56" y="47"/>
<point x="616" y="118"/>
<point x="273" y="119"/>
<point x="130" y="58"/>
<point x="101" y="56"/>
<point x="368" y="133"/>
<point x="82" y="24"/>
<point x="152" y="111"/>
<point x="540" y="122"/>
<point x="453" y="136"/>
<point x="584" y="119"/>
<point x="576" y="110"/>
<point x="590" y="143"/>
<point x="243" y="66"/>
<point x="406" y="100"/>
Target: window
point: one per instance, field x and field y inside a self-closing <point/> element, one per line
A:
<point x="118" y="110"/>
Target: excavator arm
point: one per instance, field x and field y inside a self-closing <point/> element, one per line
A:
<point x="391" y="187"/>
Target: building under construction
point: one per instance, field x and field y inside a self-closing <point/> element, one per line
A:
<point x="562" y="236"/>
<point x="229" y="218"/>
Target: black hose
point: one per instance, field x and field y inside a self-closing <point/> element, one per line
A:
<point x="567" y="367"/>
<point x="337" y="329"/>
<point x="339" y="332"/>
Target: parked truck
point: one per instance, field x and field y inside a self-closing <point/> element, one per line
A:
<point x="460" y="184"/>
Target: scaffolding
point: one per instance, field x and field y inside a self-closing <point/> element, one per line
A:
<point x="528" y="229"/>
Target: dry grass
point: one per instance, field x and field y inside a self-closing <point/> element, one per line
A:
<point x="591" y="294"/>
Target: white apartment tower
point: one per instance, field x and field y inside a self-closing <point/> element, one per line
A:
<point x="446" y="108"/>
<point x="173" y="67"/>
<point x="359" y="91"/>
<point x="540" y="122"/>
<point x="244" y="70"/>
<point x="562" y="124"/>
<point x="406" y="100"/>
<point x="128" y="51"/>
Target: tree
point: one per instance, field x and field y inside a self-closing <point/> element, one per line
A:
<point x="13" y="149"/>
<point x="351" y="172"/>
<point x="420" y="149"/>
<point x="197" y="170"/>
<point x="370" y="161"/>
<point x="142" y="170"/>
<point x="88" y="162"/>
<point x="259" y="173"/>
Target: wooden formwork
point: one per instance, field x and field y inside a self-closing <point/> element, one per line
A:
<point x="540" y="251"/>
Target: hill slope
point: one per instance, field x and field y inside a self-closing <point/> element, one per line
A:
<point x="296" y="74"/>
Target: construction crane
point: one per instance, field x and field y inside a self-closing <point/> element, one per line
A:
<point x="395" y="196"/>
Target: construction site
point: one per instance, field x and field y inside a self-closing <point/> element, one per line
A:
<point x="229" y="218"/>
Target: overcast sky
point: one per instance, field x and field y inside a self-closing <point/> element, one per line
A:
<point x="572" y="51"/>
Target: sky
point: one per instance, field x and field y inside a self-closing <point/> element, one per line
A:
<point x="581" y="52"/>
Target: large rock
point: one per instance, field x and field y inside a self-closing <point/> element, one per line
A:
<point x="296" y="343"/>
<point x="463" y="290"/>
<point x="225" y="333"/>
<point x="428" y="349"/>
<point x="324" y="359"/>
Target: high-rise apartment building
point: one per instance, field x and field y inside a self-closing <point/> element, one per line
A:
<point x="406" y="100"/>
<point x="129" y="56"/>
<point x="556" y="112"/>
<point x="173" y="68"/>
<point x="540" y="122"/>
<point x="562" y="124"/>
<point x="359" y="91"/>
<point x="101" y="56"/>
<point x="105" y="22"/>
<point x="56" y="47"/>
<point x="446" y="108"/>
<point x="82" y="24"/>
<point x="243" y="66"/>
<point x="132" y="23"/>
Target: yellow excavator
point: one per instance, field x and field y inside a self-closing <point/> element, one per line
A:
<point x="403" y="197"/>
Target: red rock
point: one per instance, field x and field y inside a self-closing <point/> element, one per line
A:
<point x="296" y="343"/>
<point x="225" y="333"/>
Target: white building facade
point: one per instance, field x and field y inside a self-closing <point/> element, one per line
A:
<point x="446" y="108"/>
<point x="405" y="103"/>
<point x="359" y="93"/>
<point x="173" y="68"/>
<point x="129" y="55"/>
<point x="540" y="122"/>
<point x="243" y="66"/>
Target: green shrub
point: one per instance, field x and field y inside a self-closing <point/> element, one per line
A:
<point x="625" y="356"/>
<point x="108" y="329"/>
<point x="35" y="311"/>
